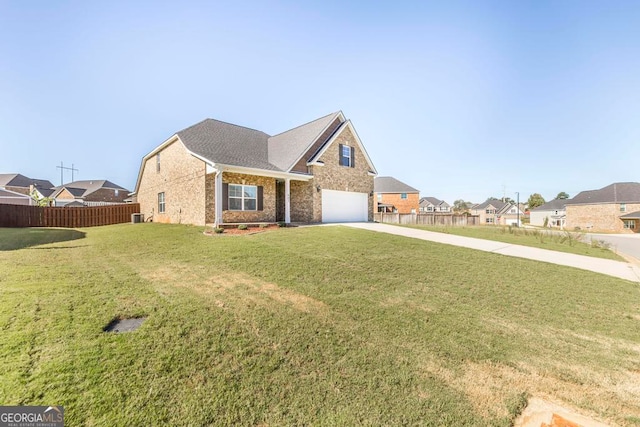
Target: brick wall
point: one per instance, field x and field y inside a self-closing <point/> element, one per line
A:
<point x="107" y="195"/>
<point x="268" y="214"/>
<point x="602" y="217"/>
<point x="182" y="179"/>
<point x="332" y="176"/>
<point x="402" y="205"/>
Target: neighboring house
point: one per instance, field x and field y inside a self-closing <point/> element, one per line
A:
<point x="18" y="183"/>
<point x="395" y="196"/>
<point x="497" y="212"/>
<point x="12" y="198"/>
<point x="89" y="193"/>
<point x="614" y="208"/>
<point x="433" y="205"/>
<point x="554" y="212"/>
<point x="216" y="173"/>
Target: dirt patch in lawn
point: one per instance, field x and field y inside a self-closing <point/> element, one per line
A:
<point x="228" y="288"/>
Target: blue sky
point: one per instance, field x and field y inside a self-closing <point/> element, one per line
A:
<point x="458" y="99"/>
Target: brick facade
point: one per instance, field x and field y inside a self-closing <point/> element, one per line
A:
<point x="599" y="217"/>
<point x="268" y="214"/>
<point x="182" y="179"/>
<point x="404" y="206"/>
<point x="332" y="176"/>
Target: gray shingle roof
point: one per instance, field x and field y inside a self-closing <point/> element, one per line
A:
<point x="19" y="180"/>
<point x="553" y="205"/>
<point x="388" y="184"/>
<point x="632" y="215"/>
<point x="619" y="192"/>
<point x="496" y="203"/>
<point x="286" y="148"/>
<point x="225" y="143"/>
<point x="432" y="200"/>
<point x="86" y="187"/>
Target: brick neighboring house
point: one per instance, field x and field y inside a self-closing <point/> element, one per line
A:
<point x="99" y="192"/>
<point x="218" y="173"/>
<point x="614" y="208"/>
<point x="554" y="211"/>
<point x="21" y="184"/>
<point x="497" y="212"/>
<point x="393" y="195"/>
<point x="433" y="205"/>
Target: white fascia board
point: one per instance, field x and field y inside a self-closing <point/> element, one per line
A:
<point x="347" y="124"/>
<point x="262" y="172"/>
<point x="159" y="148"/>
<point x="342" y="120"/>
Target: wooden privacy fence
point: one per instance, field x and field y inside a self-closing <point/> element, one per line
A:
<point x="36" y="216"/>
<point x="427" y="219"/>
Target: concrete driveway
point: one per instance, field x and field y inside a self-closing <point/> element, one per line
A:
<point x="626" y="244"/>
<point x="622" y="270"/>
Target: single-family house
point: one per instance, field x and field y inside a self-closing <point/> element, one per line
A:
<point x="497" y="212"/>
<point x="614" y="208"/>
<point x="433" y="205"/>
<point x="550" y="214"/>
<point x="393" y="195"/>
<point x="99" y="192"/>
<point x="18" y="183"/>
<point x="218" y="173"/>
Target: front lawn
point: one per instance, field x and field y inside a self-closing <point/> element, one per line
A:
<point x="308" y="326"/>
<point x="554" y="240"/>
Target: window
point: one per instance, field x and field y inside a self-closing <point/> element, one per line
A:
<point x="403" y="196"/>
<point x="489" y="220"/>
<point x="630" y="224"/>
<point x="346" y="156"/>
<point x="379" y="197"/>
<point x="429" y="208"/>
<point x="115" y="193"/>
<point x="161" y="202"/>
<point x="490" y="211"/>
<point x="623" y="207"/>
<point x="243" y="197"/>
<point x="158" y="162"/>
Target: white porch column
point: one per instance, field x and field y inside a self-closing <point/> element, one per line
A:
<point x="287" y="200"/>
<point x="218" y="198"/>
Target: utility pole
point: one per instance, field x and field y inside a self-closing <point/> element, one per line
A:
<point x="518" y="206"/>
<point x="63" y="168"/>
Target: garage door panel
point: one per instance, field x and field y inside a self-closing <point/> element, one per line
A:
<point x="344" y="206"/>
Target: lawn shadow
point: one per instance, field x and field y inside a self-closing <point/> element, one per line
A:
<point x="20" y="238"/>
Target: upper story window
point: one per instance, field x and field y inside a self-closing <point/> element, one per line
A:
<point x="161" y="206"/>
<point x="158" y="162"/>
<point x="490" y="211"/>
<point x="243" y="197"/>
<point x="346" y="156"/>
<point x="379" y="197"/>
<point x="403" y="195"/>
<point x="623" y="207"/>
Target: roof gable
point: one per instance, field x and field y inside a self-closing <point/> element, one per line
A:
<point x="342" y="128"/>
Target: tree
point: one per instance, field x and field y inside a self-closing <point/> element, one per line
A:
<point x="535" y="200"/>
<point x="562" y="195"/>
<point x="460" y="206"/>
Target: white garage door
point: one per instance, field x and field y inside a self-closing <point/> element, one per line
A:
<point x="344" y="206"/>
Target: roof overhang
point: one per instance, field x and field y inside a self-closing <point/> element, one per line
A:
<point x="632" y="215"/>
<point x="258" y="172"/>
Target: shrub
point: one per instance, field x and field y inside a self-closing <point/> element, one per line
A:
<point x="282" y="224"/>
<point x="242" y="227"/>
<point x="218" y="230"/>
<point x="264" y="225"/>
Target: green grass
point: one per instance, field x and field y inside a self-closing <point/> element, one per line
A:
<point x="561" y="241"/>
<point x="307" y="326"/>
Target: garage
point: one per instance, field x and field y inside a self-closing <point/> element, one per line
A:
<point x="344" y="206"/>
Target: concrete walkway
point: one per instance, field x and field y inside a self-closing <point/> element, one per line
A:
<point x="618" y="269"/>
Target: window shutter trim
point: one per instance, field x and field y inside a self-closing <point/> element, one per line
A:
<point x="225" y="196"/>
<point x="260" y="198"/>
<point x="353" y="156"/>
<point x="340" y="154"/>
